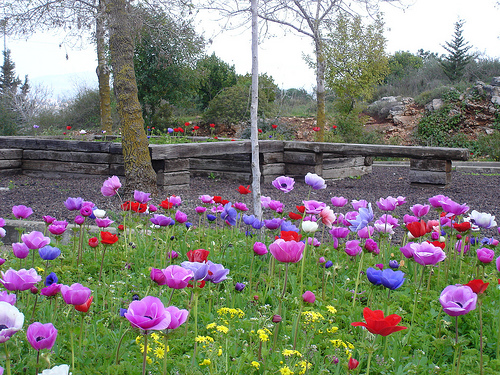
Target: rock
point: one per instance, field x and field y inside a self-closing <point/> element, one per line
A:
<point x="390" y="106"/>
<point x="495" y="100"/>
<point x="495" y="81"/>
<point x="434" y="105"/>
<point x="489" y="131"/>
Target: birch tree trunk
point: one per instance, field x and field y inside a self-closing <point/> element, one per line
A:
<point x="254" y="136"/>
<point x="139" y="172"/>
<point x="103" y="72"/>
<point x="320" y="91"/>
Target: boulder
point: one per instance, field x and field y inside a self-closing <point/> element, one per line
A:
<point x="434" y="105"/>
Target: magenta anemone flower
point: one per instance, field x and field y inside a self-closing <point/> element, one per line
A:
<point x="180" y="217"/>
<point x="21" y="211"/>
<point x="240" y="206"/>
<point x="264" y="201"/>
<point x="177" y="316"/>
<point x="276" y="206"/>
<point x="387" y="204"/>
<point x="259" y="248"/>
<point x="359" y="204"/>
<point x="313" y="207"/>
<point x="458" y="300"/>
<point x="175" y="200"/>
<point x="11" y="321"/>
<point x="56" y="230"/>
<point x="339" y="232"/>
<point x="10" y="298"/>
<point x="453" y="208"/>
<point x="158" y="276"/>
<point x="287" y="251"/>
<point x="79" y="220"/>
<point x="110" y="186"/>
<point x="200" y="209"/>
<point x="409" y="249"/>
<point x="485" y="255"/>
<point x="206" y="199"/>
<point x="308" y="297"/>
<point x="51" y="290"/>
<point x="426" y="254"/>
<point x="35" y="240"/>
<point x="41" y="336"/>
<point x="19" y="280"/>
<point x="339" y="201"/>
<point x="76" y="294"/>
<point x="436" y="201"/>
<point x="103" y="223"/>
<point x="366" y="232"/>
<point x="371" y="246"/>
<point x="386" y="218"/>
<point x="20" y="250"/>
<point x="141" y="197"/>
<point x="148" y="314"/>
<point x="48" y="219"/>
<point x="73" y="204"/>
<point x="498" y="264"/>
<point x="177" y="277"/>
<point x="314" y="181"/>
<point x="161" y="220"/>
<point x="284" y="184"/>
<point x="352" y="248"/>
<point x="420" y="210"/>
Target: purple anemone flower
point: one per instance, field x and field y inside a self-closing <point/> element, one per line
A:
<point x="314" y="181"/>
<point x="148" y="314"/>
<point x="458" y="300"/>
<point x="284" y="184"/>
<point x="141" y="197"/>
<point x="22" y="212"/>
<point x="216" y="272"/>
<point x="161" y="220"/>
<point x="35" y="240"/>
<point x="200" y="270"/>
<point x="49" y="252"/>
<point x="41" y="336"/>
<point x="73" y="204"/>
<point x="19" y="280"/>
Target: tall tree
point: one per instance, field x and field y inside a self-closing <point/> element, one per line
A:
<point x="139" y="172"/>
<point x="355" y="59"/>
<point x="9" y="83"/>
<point x="458" y="57"/>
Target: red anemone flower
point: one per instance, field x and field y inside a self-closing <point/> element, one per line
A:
<point x="224" y="202"/>
<point x="462" y="227"/>
<point x="316" y="129"/>
<point x="294" y="216"/>
<point x="138" y="207"/>
<point x="244" y="190"/>
<point x="198" y="255"/>
<point x="93" y="242"/>
<point x="201" y="284"/>
<point x="260" y="130"/>
<point x="84" y="307"/>
<point x="274" y="126"/>
<point x="217" y="199"/>
<point x="125" y="206"/>
<point x="166" y="204"/>
<point x="377" y="324"/>
<point x="478" y="286"/>
<point x="301" y="209"/>
<point x="290" y="236"/>
<point x="353" y="363"/>
<point x="212" y="125"/>
<point x="108" y="238"/>
<point x="187" y="124"/>
<point x="440" y="244"/>
<point x="417" y="228"/>
<point x="196" y="127"/>
<point x="68" y="127"/>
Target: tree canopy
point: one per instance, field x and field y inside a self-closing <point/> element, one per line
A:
<point x="458" y="57"/>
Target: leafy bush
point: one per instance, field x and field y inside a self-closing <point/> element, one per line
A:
<point x="83" y="112"/>
<point x="282" y="131"/>
<point x="487" y="145"/>
<point x="438" y="128"/>
<point x="436" y="93"/>
<point x="350" y="129"/>
<point x="8" y="124"/>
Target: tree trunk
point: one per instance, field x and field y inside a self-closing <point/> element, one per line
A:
<point x="257" y="207"/>
<point x="320" y="91"/>
<point x="139" y="173"/>
<point x="103" y="73"/>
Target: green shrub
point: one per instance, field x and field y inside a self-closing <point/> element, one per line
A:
<point x="436" y="93"/>
<point x="283" y="130"/>
<point x="83" y="112"/>
<point x="487" y="145"/>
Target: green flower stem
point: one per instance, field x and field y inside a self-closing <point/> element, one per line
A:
<point x="102" y="261"/>
<point x="165" y="356"/>
<point x="81" y="334"/>
<point x="284" y="283"/>
<point x="302" y="268"/>
<point x="297" y="324"/>
<point x="7" y="359"/>
<point x="72" y="351"/>
<point x="481" y="371"/>
<point x="360" y="266"/>
<point x="145" y="354"/>
<point x="498" y="337"/>
<point x="251" y="273"/>
<point x="117" y="357"/>
<point x="37" y="361"/>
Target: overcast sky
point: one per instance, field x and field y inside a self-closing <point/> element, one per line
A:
<point x="426" y="24"/>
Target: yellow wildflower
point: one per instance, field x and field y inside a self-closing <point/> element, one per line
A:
<point x="138" y="339"/>
<point x="311" y="316"/>
<point x="206" y="339"/>
<point x="255" y="364"/>
<point x="289" y="353"/>
<point x="331" y="309"/>
<point x="39" y="270"/>
<point x="233" y="312"/>
<point x="159" y="352"/>
<point x="155" y="336"/>
<point x="211" y="325"/>
<point x="219" y="353"/>
<point x="263" y="334"/>
<point x="222" y="329"/>
<point x="286" y="370"/>
<point x="206" y="362"/>
<point x="332" y="330"/>
<point x="305" y="366"/>
<point x="149" y="360"/>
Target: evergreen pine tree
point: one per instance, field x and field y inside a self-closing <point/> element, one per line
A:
<point x="8" y="80"/>
<point x="455" y="62"/>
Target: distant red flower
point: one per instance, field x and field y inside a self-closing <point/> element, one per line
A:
<point x="64" y="133"/>
<point x="125" y="206"/>
<point x="440" y="244"/>
<point x="377" y="324"/>
<point x="353" y="363"/>
<point x="187" y="124"/>
<point x="462" y="227"/>
<point x="198" y="255"/>
<point x="224" y="202"/>
<point x="84" y="307"/>
<point x="478" y="286"/>
<point x="93" y="242"/>
<point x="294" y="216"/>
<point x="68" y="127"/>
<point x="301" y="209"/>
<point x="176" y="130"/>
<point x="274" y="126"/>
<point x="260" y="130"/>
<point x="290" y="235"/>
<point x="181" y="130"/>
<point x="121" y="227"/>
<point x="216" y="137"/>
<point x="138" y="207"/>
<point x="108" y="238"/>
<point x="316" y="129"/>
<point x="217" y="199"/>
<point x="417" y="228"/>
<point x="201" y="284"/>
<point x="334" y="126"/>
<point x="196" y="127"/>
<point x="212" y="125"/>
<point x="244" y="190"/>
<point x="166" y="204"/>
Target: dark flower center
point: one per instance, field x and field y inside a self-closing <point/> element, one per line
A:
<point x="3" y="326"/>
<point x="459" y="304"/>
<point x="283" y="185"/>
<point x="150" y="318"/>
<point x="40" y="338"/>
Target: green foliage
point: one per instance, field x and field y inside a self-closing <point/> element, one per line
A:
<point x="8" y="80"/>
<point x="232" y="105"/>
<point x="8" y="124"/>
<point x="295" y="102"/>
<point x="402" y="64"/>
<point x="83" y="110"/>
<point x="487" y="145"/>
<point x="355" y="59"/>
<point x="281" y="130"/>
<point x="214" y="76"/>
<point x="458" y="58"/>
<point x="164" y="61"/>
